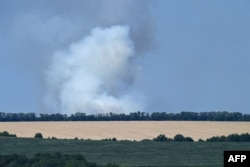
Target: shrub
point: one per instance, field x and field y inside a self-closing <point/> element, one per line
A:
<point x="189" y="139"/>
<point x="6" y="134"/>
<point x="245" y="137"/>
<point x="38" y="135"/>
<point x="161" y="138"/>
<point x="53" y="137"/>
<point x="201" y="140"/>
<point x="179" y="138"/>
<point x="213" y="139"/>
<point x="110" y="139"/>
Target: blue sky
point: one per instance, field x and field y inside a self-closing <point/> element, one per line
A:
<point x="196" y="53"/>
<point x="203" y="56"/>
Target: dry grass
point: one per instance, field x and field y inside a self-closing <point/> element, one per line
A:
<point x="131" y="130"/>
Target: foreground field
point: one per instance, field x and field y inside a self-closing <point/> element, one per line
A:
<point x="130" y="130"/>
<point x="128" y="153"/>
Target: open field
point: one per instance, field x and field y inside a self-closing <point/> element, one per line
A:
<point x="130" y="130"/>
<point x="128" y="153"/>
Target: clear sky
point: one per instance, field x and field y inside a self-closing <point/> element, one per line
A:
<point x="192" y="55"/>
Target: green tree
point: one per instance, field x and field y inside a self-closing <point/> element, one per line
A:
<point x="161" y="138"/>
<point x="38" y="135"/>
<point x="179" y="138"/>
<point x="6" y="134"/>
<point x="189" y="139"/>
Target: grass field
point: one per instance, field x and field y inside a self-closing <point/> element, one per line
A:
<point x="128" y="153"/>
<point x="130" y="130"/>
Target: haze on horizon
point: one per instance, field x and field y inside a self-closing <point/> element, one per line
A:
<point x="177" y="56"/>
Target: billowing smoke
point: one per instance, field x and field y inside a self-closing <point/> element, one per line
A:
<point x="95" y="75"/>
<point x="60" y="55"/>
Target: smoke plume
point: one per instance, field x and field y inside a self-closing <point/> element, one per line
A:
<point x="95" y="75"/>
<point x="60" y="54"/>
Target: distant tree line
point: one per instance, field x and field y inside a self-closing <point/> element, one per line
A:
<point x="48" y="160"/>
<point x="244" y="137"/>
<point x="134" y="116"/>
<point x="177" y="138"/>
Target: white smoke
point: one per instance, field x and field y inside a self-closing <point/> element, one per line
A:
<point x="95" y="75"/>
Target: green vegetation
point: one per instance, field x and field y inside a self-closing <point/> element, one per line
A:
<point x="6" y="134"/>
<point x="162" y="138"/>
<point x="127" y="153"/>
<point x="177" y="138"/>
<point x="47" y="160"/>
<point x="134" y="116"/>
<point x="245" y="137"/>
<point x="161" y="151"/>
<point x="38" y="135"/>
<point x="110" y="139"/>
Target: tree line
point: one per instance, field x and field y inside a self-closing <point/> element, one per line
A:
<point x="177" y="138"/>
<point x="244" y="137"/>
<point x="134" y="116"/>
